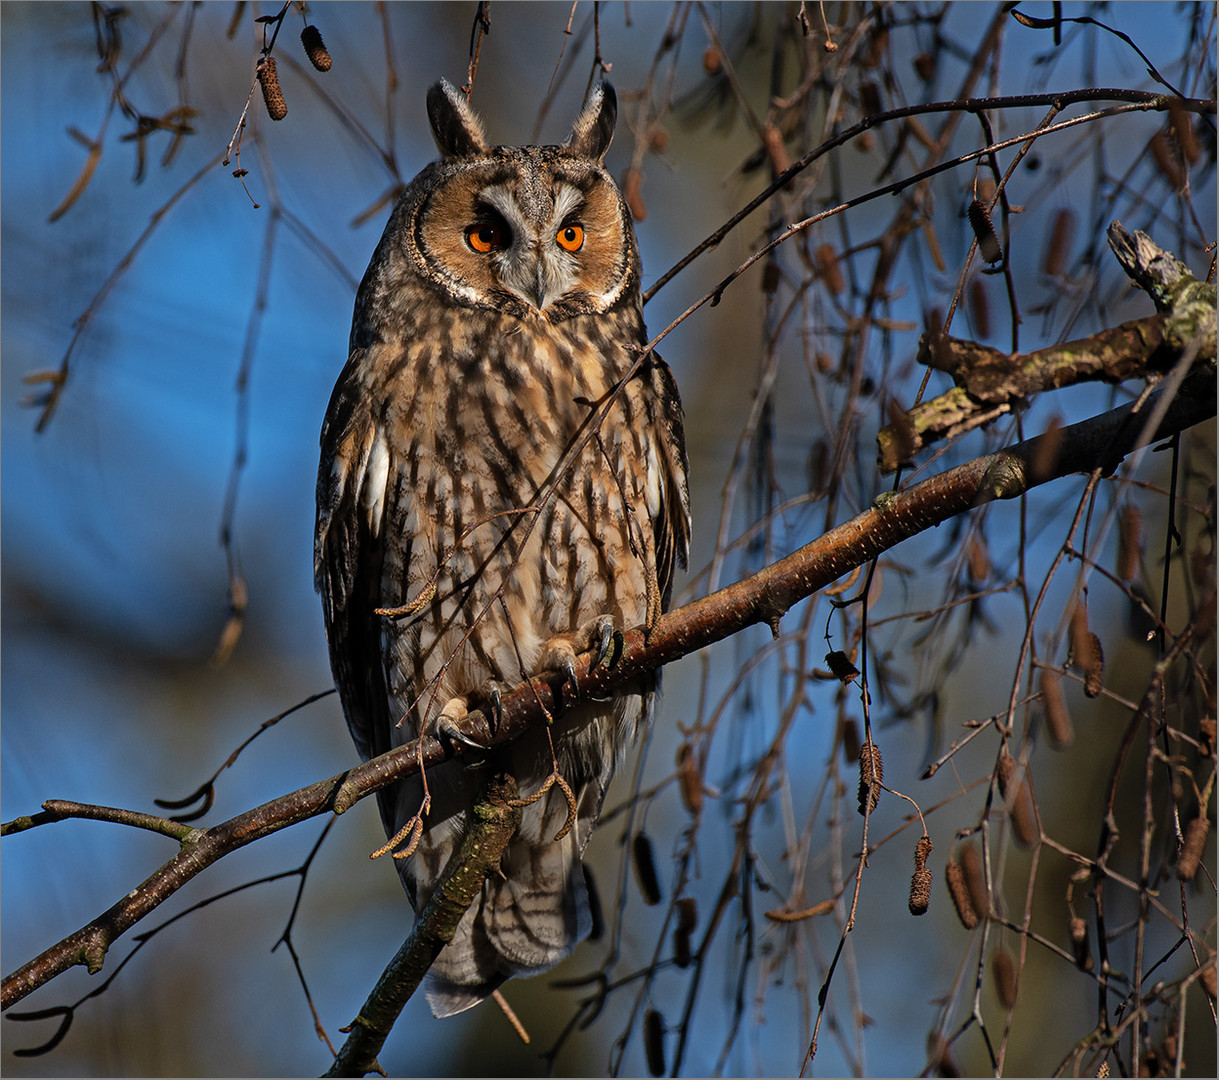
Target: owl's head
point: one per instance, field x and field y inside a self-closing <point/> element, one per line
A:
<point x="528" y="230"/>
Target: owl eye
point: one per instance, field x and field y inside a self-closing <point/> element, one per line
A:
<point x="487" y="236"/>
<point x="570" y="238"/>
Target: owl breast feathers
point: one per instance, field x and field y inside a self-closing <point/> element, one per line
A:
<point x="487" y="464"/>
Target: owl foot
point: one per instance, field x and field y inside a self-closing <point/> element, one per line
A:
<point x="559" y="653"/>
<point x="448" y="724"/>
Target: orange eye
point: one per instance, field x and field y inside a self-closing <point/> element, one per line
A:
<point x="485" y="237"/>
<point x="570" y="238"/>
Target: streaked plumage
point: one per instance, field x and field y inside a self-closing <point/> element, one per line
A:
<point x="471" y="374"/>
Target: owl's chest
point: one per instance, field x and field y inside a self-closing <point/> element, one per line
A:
<point x="501" y="427"/>
<point x="498" y="409"/>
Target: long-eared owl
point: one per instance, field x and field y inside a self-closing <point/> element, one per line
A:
<point x="460" y="483"/>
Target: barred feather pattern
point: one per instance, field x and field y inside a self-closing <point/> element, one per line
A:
<point x="464" y="448"/>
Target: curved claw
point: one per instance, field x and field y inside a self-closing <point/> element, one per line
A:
<point x="450" y="730"/>
<point x="568" y="670"/>
<point x="495" y="711"/>
<point x="604" y="631"/>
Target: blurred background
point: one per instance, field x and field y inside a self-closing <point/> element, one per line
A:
<point x="115" y="581"/>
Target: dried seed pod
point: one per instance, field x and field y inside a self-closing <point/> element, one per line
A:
<point x="687" y="914"/>
<point x="1087" y="656"/>
<point x="920" y="892"/>
<point x="1003" y="968"/>
<point x="1166" y="160"/>
<point x="1057" y="716"/>
<point x="632" y="192"/>
<point x="924" y="66"/>
<point x="1196" y="833"/>
<point x="687" y="919"/>
<point x="1058" y="246"/>
<point x="1077" y="631"/>
<point x="645" y="869"/>
<point x="988" y="243"/>
<point x="1095" y="669"/>
<point x="869" y="98"/>
<point x="315" y="48"/>
<point x="1129" y="542"/>
<point x="272" y="95"/>
<point x="905" y="436"/>
<point x="878" y="43"/>
<point x="958" y="892"/>
<point x="1024" y="820"/>
<point x="654" y="1041"/>
<point x="975" y="879"/>
<point x="871" y="774"/>
<point x="689" y="778"/>
<point x="658" y="140"/>
<point x="1208" y="978"/>
<point x="771" y="276"/>
<point x="933" y="245"/>
<point x="1019" y="802"/>
<point x="920" y="883"/>
<point x="683" y="954"/>
<point x="825" y="258"/>
<point x="772" y="139"/>
<point x="850" y="739"/>
<point x="1046" y="451"/>
<point x="979" y="307"/>
<point x="1201" y="565"/>
<point x="1007" y="769"/>
<point x="939" y="1054"/>
<point x="1183" y="131"/>
<point x="235" y="20"/>
<point x="978" y="559"/>
<point x="1079" y="944"/>
<point x="1206" y="734"/>
<point x="841" y="667"/>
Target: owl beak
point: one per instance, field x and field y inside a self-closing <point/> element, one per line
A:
<point x="540" y="288"/>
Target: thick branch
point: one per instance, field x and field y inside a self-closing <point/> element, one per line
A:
<point x="491" y="826"/>
<point x="989" y="382"/>
<point x="1101" y="442"/>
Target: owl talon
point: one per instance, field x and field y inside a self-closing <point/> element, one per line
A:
<point x="602" y="637"/>
<point x="568" y="670"/>
<point x="448" y="724"/>
<point x="450" y="731"/>
<point x="494" y="710"/>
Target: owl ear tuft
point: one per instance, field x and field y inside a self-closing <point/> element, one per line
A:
<point x="457" y="131"/>
<point x="594" y="128"/>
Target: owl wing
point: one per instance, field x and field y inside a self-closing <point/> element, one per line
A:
<point x="347" y="559"/>
<point x="671" y="524"/>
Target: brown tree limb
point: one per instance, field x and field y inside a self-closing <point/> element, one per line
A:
<point x="494" y="819"/>
<point x="765" y="597"/>
<point x="989" y="381"/>
<point x="60" y="809"/>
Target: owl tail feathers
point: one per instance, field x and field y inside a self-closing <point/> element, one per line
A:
<point x="449" y="999"/>
<point x="523" y="924"/>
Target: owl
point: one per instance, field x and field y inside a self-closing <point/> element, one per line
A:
<point x="494" y="470"/>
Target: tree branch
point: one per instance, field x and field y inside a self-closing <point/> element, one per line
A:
<point x="765" y="597"/>
<point x="59" y="810"/>
<point x="989" y="381"/>
<point x="493" y="821"/>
